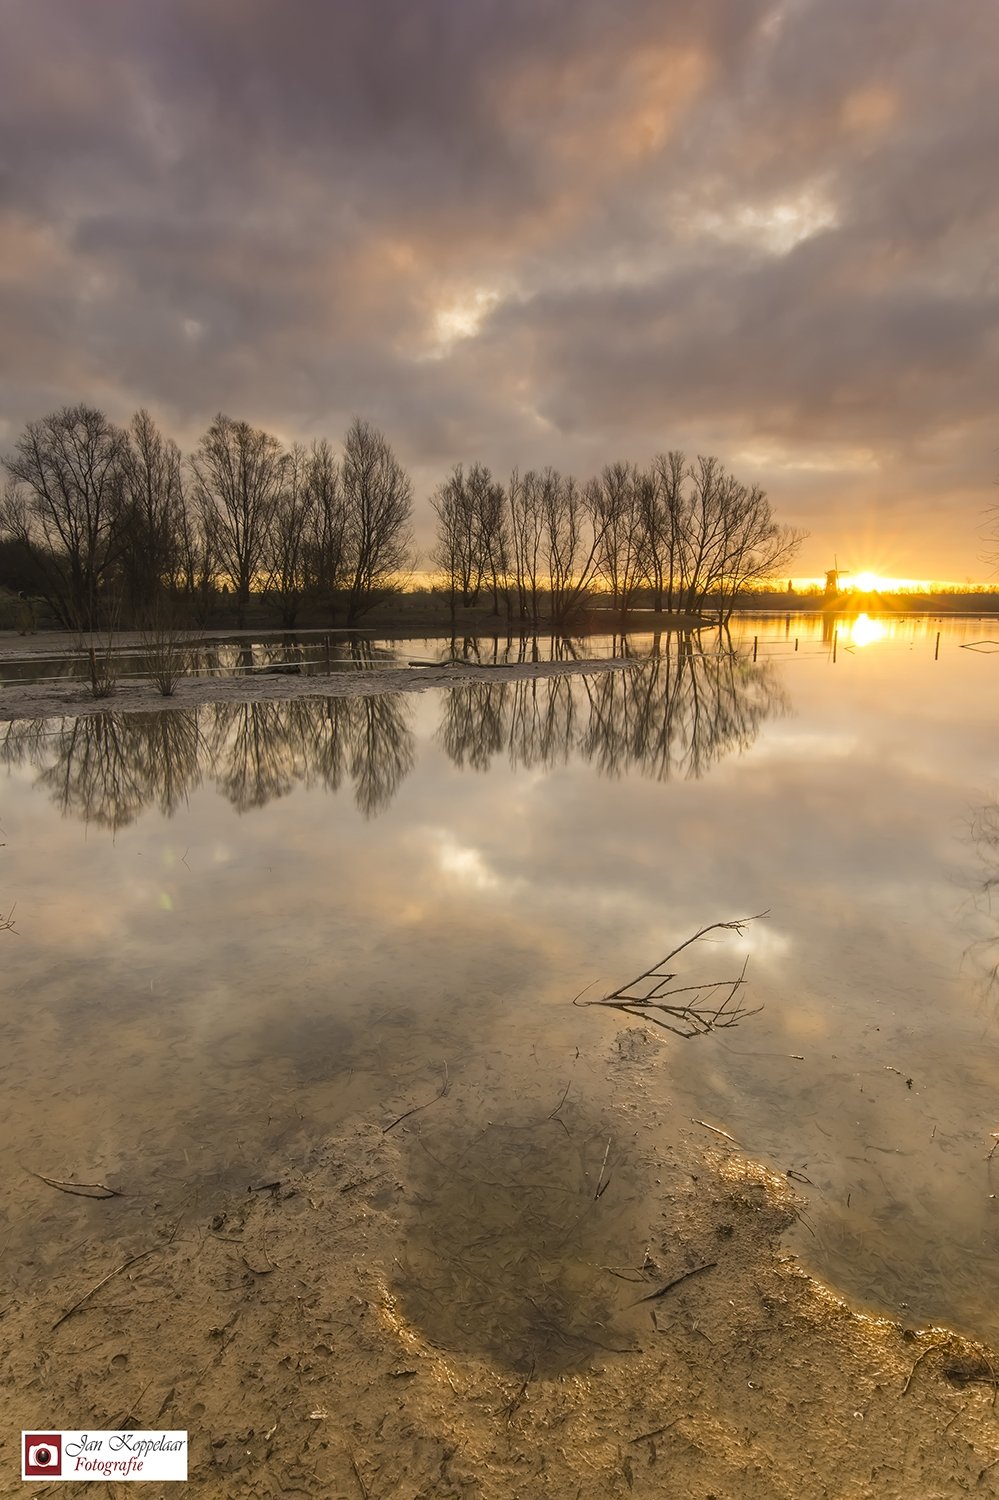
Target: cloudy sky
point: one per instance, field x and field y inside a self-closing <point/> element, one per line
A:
<point x="528" y="232"/>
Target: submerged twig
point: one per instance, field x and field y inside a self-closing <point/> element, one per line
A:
<point x="709" y="1265"/>
<point x="565" y="1095"/>
<point x="603" y="1168"/>
<point x="715" y="1003"/>
<point x="357" y="1475"/>
<point x="78" y="1189"/>
<point x="103" y="1282"/>
<point x="656" y="1431"/>
<point x="445" y="1085"/>
<point x="512" y="1405"/>
<point x="715" y="1130"/>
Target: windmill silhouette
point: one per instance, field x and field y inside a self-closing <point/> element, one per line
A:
<point x="833" y="576"/>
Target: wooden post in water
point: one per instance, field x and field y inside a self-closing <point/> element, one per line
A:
<point x="936" y="653"/>
<point x="756" y="641"/>
<point x="796" y="643"/>
<point x="835" y="640"/>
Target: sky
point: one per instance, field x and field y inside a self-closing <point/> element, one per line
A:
<point x="528" y="232"/>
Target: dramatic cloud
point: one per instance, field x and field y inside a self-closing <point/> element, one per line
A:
<point x="535" y="231"/>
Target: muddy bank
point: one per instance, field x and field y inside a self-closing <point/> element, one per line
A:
<point x="60" y="699"/>
<point x="422" y="1304"/>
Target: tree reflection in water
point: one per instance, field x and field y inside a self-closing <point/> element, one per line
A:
<point x="980" y="916"/>
<point x="677" y="714"/>
<point x="106" y="768"/>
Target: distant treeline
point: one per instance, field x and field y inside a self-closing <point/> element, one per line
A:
<point x="114" y="525"/>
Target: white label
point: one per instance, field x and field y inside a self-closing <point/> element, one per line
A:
<point x="103" y="1455"/>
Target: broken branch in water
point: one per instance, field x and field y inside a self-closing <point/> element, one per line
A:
<point x="79" y="1189"/>
<point x="714" y="1130"/>
<point x="103" y="1282"/>
<point x="445" y="1085"/>
<point x="709" y="1265"/>
<point x="714" y="1003"/>
<point x="601" y="1185"/>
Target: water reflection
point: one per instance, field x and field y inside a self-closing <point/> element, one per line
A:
<point x="677" y="714"/>
<point x="982" y="911"/>
<point x="106" y="768"/>
<point x="459" y="925"/>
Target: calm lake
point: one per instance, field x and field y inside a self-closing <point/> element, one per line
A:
<point x="240" y="927"/>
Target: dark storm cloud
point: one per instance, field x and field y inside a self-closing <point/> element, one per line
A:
<point x="538" y="231"/>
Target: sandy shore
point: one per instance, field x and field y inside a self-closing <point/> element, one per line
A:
<point x="292" y="1326"/>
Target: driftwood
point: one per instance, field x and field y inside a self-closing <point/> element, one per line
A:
<point x="78" y="1189"/>
<point x="707" y="1006"/>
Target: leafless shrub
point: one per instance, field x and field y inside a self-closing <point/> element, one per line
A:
<point x="712" y="1004"/>
<point x="7" y="922"/>
<point x="167" y="651"/>
<point x="102" y="668"/>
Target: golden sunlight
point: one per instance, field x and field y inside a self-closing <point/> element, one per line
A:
<point x="864" y="631"/>
<point x="867" y="582"/>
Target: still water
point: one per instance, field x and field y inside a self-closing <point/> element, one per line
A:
<point x="242" y="927"/>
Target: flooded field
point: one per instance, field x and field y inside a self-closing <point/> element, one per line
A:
<point x="243" y="928"/>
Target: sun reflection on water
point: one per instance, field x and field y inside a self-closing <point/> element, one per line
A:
<point x="864" y="631"/>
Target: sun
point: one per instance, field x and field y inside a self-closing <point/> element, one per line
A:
<point x="868" y="583"/>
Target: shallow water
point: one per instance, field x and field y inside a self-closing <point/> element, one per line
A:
<point x="237" y="928"/>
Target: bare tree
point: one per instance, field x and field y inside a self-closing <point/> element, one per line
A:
<point x="67" y="508"/>
<point x="624" y="550"/>
<point x="288" y="537"/>
<point x="663" y="505"/>
<point x="496" y="542"/>
<point x="573" y="533"/>
<point x="472" y="546"/>
<point x="526" y="530"/>
<point x="238" y="473"/>
<point x="757" y="548"/>
<point x="457" y="552"/>
<point x="198" y="555"/>
<point x="378" y="502"/>
<point x="154" y="499"/>
<point x="325" y="554"/>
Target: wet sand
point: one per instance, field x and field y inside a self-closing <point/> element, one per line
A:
<point x="348" y="1321"/>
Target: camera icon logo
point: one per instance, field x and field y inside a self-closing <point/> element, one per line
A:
<point x="42" y="1455"/>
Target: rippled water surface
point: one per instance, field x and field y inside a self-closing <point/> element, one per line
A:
<point x="238" y="926"/>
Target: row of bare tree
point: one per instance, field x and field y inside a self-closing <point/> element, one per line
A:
<point x="679" y="533"/>
<point x="114" y="519"/>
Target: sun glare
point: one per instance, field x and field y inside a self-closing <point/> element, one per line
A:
<point x="864" y="631"/>
<point x="868" y="583"/>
